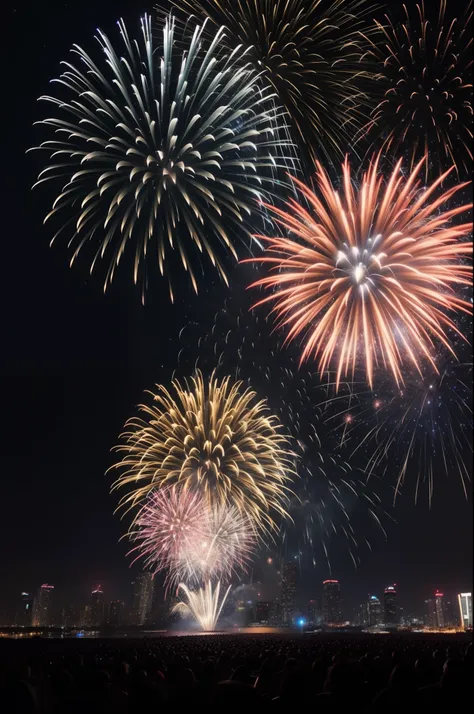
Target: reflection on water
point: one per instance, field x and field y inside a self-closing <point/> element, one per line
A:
<point x="62" y="634"/>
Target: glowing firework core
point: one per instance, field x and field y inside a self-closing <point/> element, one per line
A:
<point x="358" y="264"/>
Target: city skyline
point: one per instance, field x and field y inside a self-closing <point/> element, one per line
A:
<point x="329" y="606"/>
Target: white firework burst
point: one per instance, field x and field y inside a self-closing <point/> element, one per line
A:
<point x="170" y="147"/>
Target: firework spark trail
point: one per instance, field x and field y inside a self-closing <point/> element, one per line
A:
<point x="204" y="604"/>
<point x="310" y="53"/>
<point x="213" y="437"/>
<point x="371" y="271"/>
<point x="424" y="426"/>
<point x="425" y="73"/>
<point x="165" y="150"/>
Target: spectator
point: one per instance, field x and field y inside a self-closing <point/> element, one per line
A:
<point x="400" y="694"/>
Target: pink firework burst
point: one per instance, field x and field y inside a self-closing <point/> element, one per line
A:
<point x="166" y="526"/>
<point x="177" y="531"/>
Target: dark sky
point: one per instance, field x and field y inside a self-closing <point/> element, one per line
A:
<point x="74" y="363"/>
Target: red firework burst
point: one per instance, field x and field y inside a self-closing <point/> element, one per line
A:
<point x="369" y="273"/>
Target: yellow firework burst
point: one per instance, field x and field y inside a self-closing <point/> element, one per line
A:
<point x="214" y="437"/>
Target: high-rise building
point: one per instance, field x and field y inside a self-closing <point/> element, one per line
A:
<point x="439" y="607"/>
<point x="142" y="599"/>
<point x="435" y="611"/>
<point x="115" y="613"/>
<point x="96" y="615"/>
<point x="24" y="614"/>
<point x="332" y="602"/>
<point x="275" y="614"/>
<point x="42" y="609"/>
<point x="70" y="616"/>
<point x="465" y="610"/>
<point x="315" y="611"/>
<point x="262" y="611"/>
<point x="362" y="615"/>
<point x="85" y="617"/>
<point x="288" y="592"/>
<point x="374" y="611"/>
<point x="390" y="611"/>
<point x="430" y="613"/>
<point x="450" y="613"/>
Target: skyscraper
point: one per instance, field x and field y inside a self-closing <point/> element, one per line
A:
<point x="390" y="606"/>
<point x="24" y="614"/>
<point x="97" y="607"/>
<point x="85" y="616"/>
<point x="374" y="611"/>
<point x="450" y="613"/>
<point x="435" y="611"/>
<point x="114" y="618"/>
<point x="70" y="616"/>
<point x="439" y="608"/>
<point x="262" y="611"/>
<point x="362" y="615"/>
<point x="331" y="602"/>
<point x="315" y="613"/>
<point x="430" y="613"/>
<point x="288" y="592"/>
<point x="142" y="598"/>
<point x="465" y="610"/>
<point x="42" y="610"/>
<point x="275" y="615"/>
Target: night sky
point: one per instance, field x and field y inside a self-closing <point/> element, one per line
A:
<point x="74" y="363"/>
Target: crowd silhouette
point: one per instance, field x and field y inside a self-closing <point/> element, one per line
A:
<point x="272" y="673"/>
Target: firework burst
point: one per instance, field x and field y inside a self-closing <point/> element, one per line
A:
<point x="213" y="437"/>
<point x="425" y="73"/>
<point x="163" y="150"/>
<point x="369" y="273"/>
<point x="176" y="531"/>
<point x="423" y="428"/>
<point x="309" y="52"/>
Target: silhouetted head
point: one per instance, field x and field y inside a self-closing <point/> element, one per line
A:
<point x="454" y="674"/>
<point x="402" y="678"/>
<point x="340" y="679"/>
<point x="242" y="674"/>
<point x="232" y="694"/>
